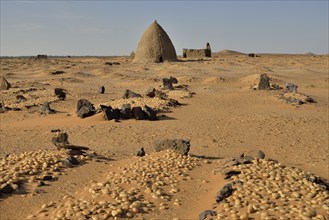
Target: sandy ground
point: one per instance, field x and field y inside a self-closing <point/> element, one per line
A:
<point x="223" y="119"/>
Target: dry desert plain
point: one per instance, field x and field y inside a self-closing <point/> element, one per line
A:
<point x="220" y="114"/>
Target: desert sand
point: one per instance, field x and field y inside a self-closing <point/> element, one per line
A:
<point x="221" y="115"/>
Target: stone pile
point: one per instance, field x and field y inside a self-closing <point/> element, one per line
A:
<point x="146" y="185"/>
<point x="126" y="112"/>
<point x="266" y="189"/>
<point x="24" y="170"/>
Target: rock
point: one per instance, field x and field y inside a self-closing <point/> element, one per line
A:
<point x="60" y="140"/>
<point x="229" y="173"/>
<point x="108" y="63"/>
<point x="203" y="215"/>
<point x="264" y="82"/>
<point x="57" y="72"/>
<point x="7" y="189"/>
<point x="141" y="152"/>
<point x="173" y="80"/>
<point x="309" y="99"/>
<point x="45" y="109"/>
<point x="130" y="94"/>
<point x="47" y="178"/>
<point x="160" y="95"/>
<point x="294" y="101"/>
<point x="178" y="145"/>
<point x="85" y="108"/>
<point x="245" y="159"/>
<point x="167" y="84"/>
<point x="150" y="113"/>
<point x="225" y="192"/>
<point x="101" y="90"/>
<point x="251" y="55"/>
<point x="125" y="112"/>
<point x="20" y="98"/>
<point x="75" y="152"/>
<point x="318" y="180"/>
<point x="60" y="93"/>
<point x="4" y="84"/>
<point x="41" y="183"/>
<point x="289" y="87"/>
<point x="138" y="113"/>
<point x="173" y="102"/>
<point x="70" y="161"/>
<point x="260" y="155"/>
<point x="110" y="113"/>
<point x="150" y="92"/>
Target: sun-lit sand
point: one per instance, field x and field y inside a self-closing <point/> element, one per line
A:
<point x="221" y="115"/>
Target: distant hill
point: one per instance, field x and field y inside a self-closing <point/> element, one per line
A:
<point x="227" y="52"/>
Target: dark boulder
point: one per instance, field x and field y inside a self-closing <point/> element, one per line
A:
<point x="45" y="109"/>
<point x="260" y="155"/>
<point x="85" y="108"/>
<point x="150" y="113"/>
<point x="225" y="192"/>
<point x="130" y="94"/>
<point x="101" y="90"/>
<point x="60" y="93"/>
<point x="167" y="84"/>
<point x="173" y="80"/>
<point x="20" y="98"/>
<point x="70" y="161"/>
<point x="7" y="189"/>
<point x="251" y="55"/>
<point x="57" y="72"/>
<point x="141" y="152"/>
<point x="150" y="92"/>
<point x="203" y="215"/>
<point x="60" y="140"/>
<point x="179" y="145"/>
<point x="290" y="87"/>
<point x="264" y="82"/>
<point x="229" y="173"/>
<point x="138" y="113"/>
<point x="47" y="178"/>
<point x="125" y="112"/>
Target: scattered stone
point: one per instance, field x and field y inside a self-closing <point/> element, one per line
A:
<point x="141" y="152"/>
<point x="150" y="113"/>
<point x="125" y="112"/>
<point x="20" y="98"/>
<point x="101" y="90"/>
<point x="60" y="140"/>
<point x="60" y="93"/>
<point x="57" y="72"/>
<point x="4" y="84"/>
<point x="7" y="189"/>
<point x="45" y="109"/>
<point x="225" y="192"/>
<point x="260" y="155"/>
<point x="70" y="161"/>
<point x="138" y="113"/>
<point x="85" y="108"/>
<point x="179" y="145"/>
<point x="130" y="94"/>
<point x="150" y="92"/>
<point x="289" y="87"/>
<point x="203" y="215"/>
<point x="264" y="82"/>
<point x="167" y="84"/>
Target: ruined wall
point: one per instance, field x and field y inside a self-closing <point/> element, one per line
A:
<point x="197" y="53"/>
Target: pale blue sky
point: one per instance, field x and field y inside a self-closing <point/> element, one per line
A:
<point x="115" y="27"/>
